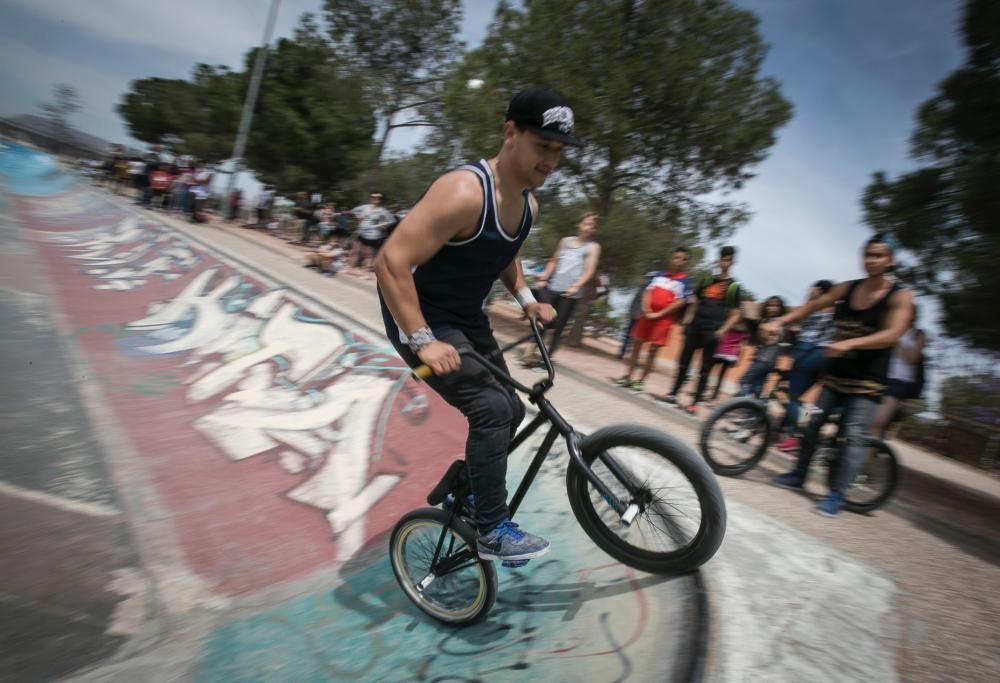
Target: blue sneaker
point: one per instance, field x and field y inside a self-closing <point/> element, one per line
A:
<point x="507" y="542"/>
<point x="789" y="480"/>
<point x="831" y="505"/>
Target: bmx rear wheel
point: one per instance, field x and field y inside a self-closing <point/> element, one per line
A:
<point x="457" y="589"/>
<point x="679" y="512"/>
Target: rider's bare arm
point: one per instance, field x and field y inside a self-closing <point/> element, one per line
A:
<point x="835" y="294"/>
<point x="450" y="207"/>
<point x="911" y="354"/>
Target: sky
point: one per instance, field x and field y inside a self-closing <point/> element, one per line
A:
<point x="855" y="71"/>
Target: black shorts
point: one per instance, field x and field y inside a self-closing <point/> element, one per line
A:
<point x="900" y="389"/>
<point x="374" y="243"/>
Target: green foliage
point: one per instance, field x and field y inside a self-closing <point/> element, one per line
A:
<point x="196" y="117"/>
<point x="400" y="51"/>
<point x="947" y="213"/>
<point x="313" y="129"/>
<point x="666" y="93"/>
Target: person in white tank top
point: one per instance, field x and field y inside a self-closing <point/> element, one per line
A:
<point x="902" y="377"/>
<point x="571" y="267"/>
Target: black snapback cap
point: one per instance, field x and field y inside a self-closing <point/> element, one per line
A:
<point x="545" y="112"/>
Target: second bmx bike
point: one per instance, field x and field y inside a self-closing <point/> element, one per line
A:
<point x="738" y="434"/>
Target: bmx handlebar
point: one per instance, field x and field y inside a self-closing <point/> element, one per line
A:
<point x="424" y="372"/>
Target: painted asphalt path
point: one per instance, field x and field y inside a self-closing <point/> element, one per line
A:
<point x="68" y="565"/>
<point x="264" y="444"/>
<point x="265" y="447"/>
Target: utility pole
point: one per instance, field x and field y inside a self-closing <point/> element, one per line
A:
<point x="248" y="105"/>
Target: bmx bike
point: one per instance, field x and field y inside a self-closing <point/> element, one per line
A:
<point x="641" y="495"/>
<point x="737" y="435"/>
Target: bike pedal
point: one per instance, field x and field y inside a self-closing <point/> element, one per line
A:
<point x="514" y="564"/>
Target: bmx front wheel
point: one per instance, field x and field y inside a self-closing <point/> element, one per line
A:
<point x="736" y="436"/>
<point x="458" y="588"/>
<point x="680" y="514"/>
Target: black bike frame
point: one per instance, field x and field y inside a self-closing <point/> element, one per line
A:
<point x="546" y="414"/>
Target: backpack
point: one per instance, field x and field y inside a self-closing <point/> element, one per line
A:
<point x="734" y="287"/>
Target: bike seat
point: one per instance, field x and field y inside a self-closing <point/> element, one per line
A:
<point x="453" y="480"/>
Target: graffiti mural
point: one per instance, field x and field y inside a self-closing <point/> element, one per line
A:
<point x="284" y="378"/>
<point x="263" y="375"/>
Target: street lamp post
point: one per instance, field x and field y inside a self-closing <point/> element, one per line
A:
<point x="248" y="104"/>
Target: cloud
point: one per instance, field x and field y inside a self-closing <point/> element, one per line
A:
<point x="35" y="72"/>
<point x="220" y="31"/>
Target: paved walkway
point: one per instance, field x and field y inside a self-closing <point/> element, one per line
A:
<point x="935" y="540"/>
<point x="596" y="359"/>
<point x="224" y="454"/>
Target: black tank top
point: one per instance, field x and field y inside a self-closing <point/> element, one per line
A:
<point x="455" y="282"/>
<point x="864" y="371"/>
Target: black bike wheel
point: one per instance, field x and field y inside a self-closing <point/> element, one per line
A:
<point x="736" y="436"/>
<point x="876" y="480"/>
<point x="465" y="591"/>
<point x="682" y="514"/>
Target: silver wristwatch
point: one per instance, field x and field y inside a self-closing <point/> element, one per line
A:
<point x="420" y="339"/>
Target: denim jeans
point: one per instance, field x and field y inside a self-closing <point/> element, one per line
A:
<point x="856" y="414"/>
<point x="752" y="382"/>
<point x="810" y="362"/>
<point x="493" y="410"/>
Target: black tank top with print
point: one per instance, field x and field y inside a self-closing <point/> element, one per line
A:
<point x="865" y="371"/>
<point x="454" y="283"/>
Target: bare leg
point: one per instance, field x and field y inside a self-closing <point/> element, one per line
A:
<point x="654" y="349"/>
<point x="633" y="359"/>
<point x="883" y="416"/>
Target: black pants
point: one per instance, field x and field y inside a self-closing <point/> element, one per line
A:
<point x="493" y="410"/>
<point x="564" y="312"/>
<point x="725" y="367"/>
<point x="694" y="340"/>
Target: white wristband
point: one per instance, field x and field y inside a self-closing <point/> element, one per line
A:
<point x="524" y="297"/>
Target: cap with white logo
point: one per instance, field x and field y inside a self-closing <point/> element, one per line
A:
<point x="545" y="112"/>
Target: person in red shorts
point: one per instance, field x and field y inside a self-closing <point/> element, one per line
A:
<point x="662" y="301"/>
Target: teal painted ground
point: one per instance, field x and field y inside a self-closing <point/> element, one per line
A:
<point x="27" y="171"/>
<point x="575" y="614"/>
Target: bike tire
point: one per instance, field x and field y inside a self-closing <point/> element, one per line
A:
<point x="480" y="582"/>
<point x="712" y="506"/>
<point x="717" y="416"/>
<point x="888" y="487"/>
